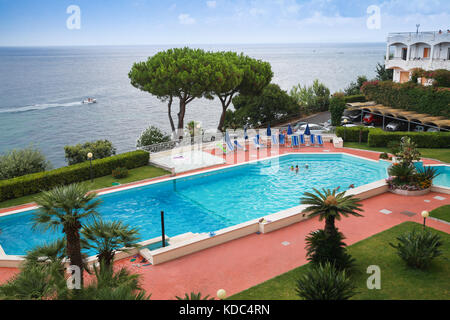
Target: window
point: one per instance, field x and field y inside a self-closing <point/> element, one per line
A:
<point x="426" y="52"/>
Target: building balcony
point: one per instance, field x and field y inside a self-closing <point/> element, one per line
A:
<point x="426" y="64"/>
<point x="430" y="37"/>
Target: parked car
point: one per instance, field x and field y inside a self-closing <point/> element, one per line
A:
<point x="315" y="129"/>
<point x="419" y="129"/>
<point x="396" y="126"/>
<point x="298" y="125"/>
<point x="344" y="120"/>
<point x="370" y="119"/>
<point x="353" y="115"/>
<point x="433" y="130"/>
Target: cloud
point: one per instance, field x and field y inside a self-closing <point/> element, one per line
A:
<point x="211" y="4"/>
<point x="185" y="18"/>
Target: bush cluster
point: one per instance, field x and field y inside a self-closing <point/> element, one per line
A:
<point x="380" y="138"/>
<point x="21" y="162"/>
<point x="100" y="149"/>
<point x="351" y="134"/>
<point x="37" y="182"/>
<point x="409" y="96"/>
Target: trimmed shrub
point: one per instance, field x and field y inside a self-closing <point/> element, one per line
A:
<point x="120" y="173"/>
<point x="322" y="248"/>
<point x="351" y="134"/>
<point x="380" y="138"/>
<point x="18" y="163"/>
<point x="100" y="149"/>
<point x="37" y="182"/>
<point x="418" y="248"/>
<point x="355" y="98"/>
<point x="337" y="108"/>
<point x="325" y="282"/>
<point x="409" y="96"/>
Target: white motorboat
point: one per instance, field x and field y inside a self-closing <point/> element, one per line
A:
<point x="89" y="101"/>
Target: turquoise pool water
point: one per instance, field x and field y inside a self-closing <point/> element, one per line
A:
<point x="443" y="179"/>
<point x="211" y="201"/>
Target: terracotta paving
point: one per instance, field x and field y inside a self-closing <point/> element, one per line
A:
<point x="245" y="262"/>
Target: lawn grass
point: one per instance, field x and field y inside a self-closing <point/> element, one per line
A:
<point x="137" y="174"/>
<point x="398" y="281"/>
<point x="438" y="154"/>
<point x="442" y="213"/>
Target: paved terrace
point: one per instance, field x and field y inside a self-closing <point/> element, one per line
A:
<point x="248" y="261"/>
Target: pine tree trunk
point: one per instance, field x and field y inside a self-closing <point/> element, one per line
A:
<point x="181" y="118"/>
<point x="169" y="106"/>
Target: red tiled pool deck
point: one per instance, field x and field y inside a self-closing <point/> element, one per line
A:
<point x="248" y="261"/>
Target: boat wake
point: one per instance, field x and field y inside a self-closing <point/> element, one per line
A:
<point x="41" y="107"/>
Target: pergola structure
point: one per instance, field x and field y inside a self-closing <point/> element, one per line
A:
<point x="411" y="117"/>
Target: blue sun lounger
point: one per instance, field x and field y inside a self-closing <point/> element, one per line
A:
<point x="302" y="140"/>
<point x="294" y="141"/>
<point x="238" y="145"/>
<point x="319" y="141"/>
<point x="257" y="143"/>
<point x="274" y="140"/>
<point x="313" y="140"/>
<point x="281" y="139"/>
<point x="230" y="145"/>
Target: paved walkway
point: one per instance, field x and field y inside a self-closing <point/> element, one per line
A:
<point x="245" y="262"/>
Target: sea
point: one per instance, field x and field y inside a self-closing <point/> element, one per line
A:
<point x="42" y="89"/>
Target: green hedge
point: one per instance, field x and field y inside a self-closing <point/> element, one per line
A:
<point x="351" y="134"/>
<point x="37" y="182"/>
<point x="380" y="138"/>
<point x="409" y="96"/>
<point x="355" y="98"/>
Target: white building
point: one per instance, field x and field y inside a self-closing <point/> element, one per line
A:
<point x="426" y="50"/>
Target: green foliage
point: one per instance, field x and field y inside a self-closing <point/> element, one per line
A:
<point x="120" y="173"/>
<point x="409" y="96"/>
<point x="408" y="151"/>
<point x="18" y="163"/>
<point x="194" y="296"/>
<point x="394" y="147"/>
<point x="441" y="78"/>
<point x="384" y="74"/>
<point x="242" y="74"/>
<point x="330" y="206"/>
<point x="100" y="149"/>
<point x="402" y="172"/>
<point x="418" y="248"/>
<point x="106" y="237"/>
<point x="325" y="282"/>
<point x="273" y="105"/>
<point x="355" y="98"/>
<point x="384" y="156"/>
<point x="315" y="98"/>
<point x="322" y="248"/>
<point x="380" y="138"/>
<point x="337" y="108"/>
<point x="354" y="88"/>
<point x="37" y="182"/>
<point x="152" y="135"/>
<point x="351" y="134"/>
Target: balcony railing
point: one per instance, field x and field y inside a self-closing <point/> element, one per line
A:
<point x="428" y="36"/>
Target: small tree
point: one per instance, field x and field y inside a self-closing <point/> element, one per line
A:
<point x="337" y="108"/>
<point x="355" y="87"/>
<point x="152" y="135"/>
<point x="408" y="151"/>
<point x="384" y="74"/>
<point x="18" y="163"/>
<point x="100" y="149"/>
<point x="108" y="237"/>
<point x="315" y="98"/>
<point x="66" y="208"/>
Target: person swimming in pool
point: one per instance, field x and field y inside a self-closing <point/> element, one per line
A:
<point x="306" y="166"/>
<point x="292" y="168"/>
<point x="296" y="169"/>
<point x="352" y="186"/>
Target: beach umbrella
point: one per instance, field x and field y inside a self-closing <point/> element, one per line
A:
<point x="307" y="130"/>
<point x="269" y="132"/>
<point x="289" y="131"/>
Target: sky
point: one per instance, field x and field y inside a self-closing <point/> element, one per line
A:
<point x="153" y="22"/>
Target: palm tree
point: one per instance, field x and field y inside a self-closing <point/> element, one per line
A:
<point x="330" y="205"/>
<point x="194" y="296"/>
<point x="41" y="276"/>
<point x="66" y="207"/>
<point x="107" y="237"/>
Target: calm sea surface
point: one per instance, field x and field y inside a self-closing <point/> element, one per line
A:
<point x="41" y="90"/>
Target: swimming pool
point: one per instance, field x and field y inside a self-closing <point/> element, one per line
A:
<point x="443" y="179"/>
<point x="213" y="200"/>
